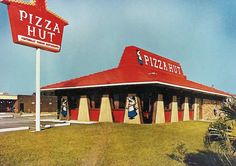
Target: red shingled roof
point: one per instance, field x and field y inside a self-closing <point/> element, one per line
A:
<point x="138" y="66"/>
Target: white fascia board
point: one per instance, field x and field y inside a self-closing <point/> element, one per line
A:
<point x="137" y="83"/>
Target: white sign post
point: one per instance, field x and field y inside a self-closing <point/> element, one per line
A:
<point x="37" y="120"/>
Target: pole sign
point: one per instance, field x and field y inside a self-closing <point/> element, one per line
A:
<point x="35" y="26"/>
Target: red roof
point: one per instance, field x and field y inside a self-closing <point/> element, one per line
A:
<point x="35" y="3"/>
<point x="138" y="66"/>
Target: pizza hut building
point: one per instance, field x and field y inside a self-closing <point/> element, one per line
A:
<point x="144" y="88"/>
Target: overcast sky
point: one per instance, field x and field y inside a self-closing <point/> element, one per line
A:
<point x="200" y="34"/>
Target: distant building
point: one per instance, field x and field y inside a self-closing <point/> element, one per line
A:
<point x="7" y="102"/>
<point x="26" y="103"/>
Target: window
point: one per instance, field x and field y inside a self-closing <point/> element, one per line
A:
<point x="180" y="101"/>
<point x="191" y="102"/>
<point x="95" y="101"/>
<point x="73" y="102"/>
<point x="167" y="101"/>
<point x="118" y="101"/>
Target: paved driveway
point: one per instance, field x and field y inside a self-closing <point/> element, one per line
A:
<point x="18" y="121"/>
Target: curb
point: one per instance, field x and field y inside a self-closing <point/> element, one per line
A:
<point x="53" y="120"/>
<point x="78" y="122"/>
<point x="31" y="115"/>
<point x="56" y="125"/>
<point x="65" y="121"/>
<point x="6" y="116"/>
<point x="14" y="129"/>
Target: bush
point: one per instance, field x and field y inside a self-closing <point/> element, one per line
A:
<point x="219" y="137"/>
<point x="179" y="153"/>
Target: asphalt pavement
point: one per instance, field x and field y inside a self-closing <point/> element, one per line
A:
<point x="22" y="121"/>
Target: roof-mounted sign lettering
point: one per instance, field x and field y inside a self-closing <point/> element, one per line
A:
<point x="156" y="62"/>
<point x="35" y="26"/>
<point x="143" y="59"/>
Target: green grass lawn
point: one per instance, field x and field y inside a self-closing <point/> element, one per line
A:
<point x="101" y="144"/>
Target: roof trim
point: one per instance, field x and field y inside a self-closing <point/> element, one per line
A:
<point x="8" y="97"/>
<point x="137" y="83"/>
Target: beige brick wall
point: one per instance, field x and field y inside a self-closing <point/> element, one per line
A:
<point x="208" y="107"/>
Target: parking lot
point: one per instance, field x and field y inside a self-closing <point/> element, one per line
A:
<point x="27" y="120"/>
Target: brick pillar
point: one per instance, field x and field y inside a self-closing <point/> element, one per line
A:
<point x="83" y="112"/>
<point x="132" y="110"/>
<point x="174" y="110"/>
<point x="105" y="110"/>
<point x="219" y="104"/>
<point x="186" y="109"/>
<point x="208" y="107"/>
<point x="160" y="114"/>
<point x="196" y="109"/>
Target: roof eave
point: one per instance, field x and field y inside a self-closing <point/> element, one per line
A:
<point x="137" y="83"/>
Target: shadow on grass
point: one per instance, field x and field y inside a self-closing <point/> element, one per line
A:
<point x="203" y="158"/>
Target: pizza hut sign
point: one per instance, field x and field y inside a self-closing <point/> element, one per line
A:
<point x="35" y="26"/>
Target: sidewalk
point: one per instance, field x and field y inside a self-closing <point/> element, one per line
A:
<point x="16" y="120"/>
<point x="11" y="115"/>
<point x="41" y="114"/>
<point x="6" y="115"/>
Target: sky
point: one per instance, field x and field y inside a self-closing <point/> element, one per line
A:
<point x="200" y="34"/>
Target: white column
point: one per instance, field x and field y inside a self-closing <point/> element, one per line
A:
<point x="186" y="109"/>
<point x="37" y="90"/>
<point x="105" y="110"/>
<point x="160" y="113"/>
<point x="196" y="109"/>
<point x="174" y="110"/>
<point x="83" y="114"/>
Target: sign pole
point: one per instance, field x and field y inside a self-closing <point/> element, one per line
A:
<point x="37" y="89"/>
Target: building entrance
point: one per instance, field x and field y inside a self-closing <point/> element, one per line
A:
<point x="147" y="106"/>
<point x="22" y="107"/>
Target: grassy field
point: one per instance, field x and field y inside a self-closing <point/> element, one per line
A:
<point x="101" y="144"/>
